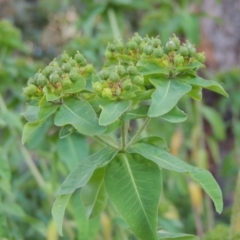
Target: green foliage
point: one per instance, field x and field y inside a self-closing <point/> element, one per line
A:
<point x="126" y="168"/>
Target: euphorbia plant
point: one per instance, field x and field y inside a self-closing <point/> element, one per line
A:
<point x="141" y="79"/>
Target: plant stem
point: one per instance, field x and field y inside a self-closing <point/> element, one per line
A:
<point x="113" y="22"/>
<point x="124" y="135"/>
<point x="107" y="142"/>
<point x="137" y="134"/>
<point x="32" y="167"/>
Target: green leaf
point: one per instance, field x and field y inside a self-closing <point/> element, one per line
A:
<point x="81" y="115"/>
<point x="144" y="95"/>
<point x="94" y="195"/>
<point x="51" y="96"/>
<point x="77" y="86"/>
<point x="29" y="129"/>
<point x="77" y="178"/>
<point x="65" y="131"/>
<point x="154" y="141"/>
<point x="196" y="93"/>
<point x="170" y="162"/>
<point x="58" y="210"/>
<point x="128" y="181"/>
<point x="46" y="111"/>
<point x="166" y="96"/>
<point x="86" y="228"/>
<point x="140" y="112"/>
<point x="112" y="111"/>
<point x="150" y="67"/>
<point x="163" y="235"/>
<point x="72" y="150"/>
<point x="208" y="84"/>
<point x="113" y="126"/>
<point x="175" y="115"/>
<point x="216" y="122"/>
<point x="31" y="113"/>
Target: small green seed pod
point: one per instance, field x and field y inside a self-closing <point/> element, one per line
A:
<point x="183" y="50"/>
<point x="31" y="80"/>
<point x="79" y="58"/>
<point x="178" y="60"/>
<point x="54" y="78"/>
<point x="104" y="74"/>
<point x="200" y="57"/>
<point x="127" y="84"/>
<point x="72" y="62"/>
<point x="113" y="76"/>
<point x="30" y="90"/>
<point x="97" y="86"/>
<point x="108" y="54"/>
<point x="64" y="57"/>
<point x="192" y="52"/>
<point x="47" y="71"/>
<point x="132" y="45"/>
<point x="89" y="68"/>
<point x="107" y="93"/>
<point x="132" y="70"/>
<point x="41" y="80"/>
<point x="111" y="47"/>
<point x="156" y="42"/>
<point x="137" y="39"/>
<point x="148" y="50"/>
<point x="66" y="83"/>
<point x="158" y="52"/>
<point x="66" y="67"/>
<point x="138" y="80"/>
<point x="119" y="46"/>
<point x="176" y="41"/>
<point x="120" y="70"/>
<point x="171" y="46"/>
<point x="74" y="76"/>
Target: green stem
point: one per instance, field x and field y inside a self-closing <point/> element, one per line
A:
<point x="124" y="135"/>
<point x="137" y="134"/>
<point x="29" y="161"/>
<point x="113" y="22"/>
<point x="107" y="142"/>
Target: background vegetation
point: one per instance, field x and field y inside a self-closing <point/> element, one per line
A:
<point x="32" y="33"/>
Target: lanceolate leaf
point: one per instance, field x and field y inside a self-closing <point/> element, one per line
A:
<point x="94" y="195"/>
<point x="140" y="112"/>
<point x="81" y="115"/>
<point x="134" y="186"/>
<point x="163" y="235"/>
<point x="112" y="111"/>
<point x="150" y="67"/>
<point x="208" y="84"/>
<point x="170" y="162"/>
<point x="175" y="115"/>
<point x="78" y="177"/>
<point x="166" y="96"/>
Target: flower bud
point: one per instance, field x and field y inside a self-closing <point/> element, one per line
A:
<point x="200" y="57"/>
<point x="31" y="80"/>
<point x="89" y="68"/>
<point x="54" y="78"/>
<point x="158" y="52"/>
<point x="132" y="70"/>
<point x="171" y="46"/>
<point x="72" y="62"/>
<point x="114" y="76"/>
<point x="119" y="46"/>
<point x="104" y="74"/>
<point x="183" y="50"/>
<point x="120" y="70"/>
<point x="41" y="80"/>
<point x="127" y="84"/>
<point x="64" y="57"/>
<point x="176" y="41"/>
<point x="97" y="86"/>
<point x="148" y="50"/>
<point x="30" y="90"/>
<point x="66" y="83"/>
<point x="132" y="45"/>
<point x="156" y="42"/>
<point x="79" y="58"/>
<point x="66" y="67"/>
<point x="47" y="71"/>
<point x="178" y="60"/>
<point x="107" y="93"/>
<point x="74" y="76"/>
<point x="111" y="47"/>
<point x="138" y="80"/>
<point x="137" y="39"/>
<point x="108" y="54"/>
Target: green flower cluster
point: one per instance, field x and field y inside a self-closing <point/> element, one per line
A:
<point x="120" y="81"/>
<point x="62" y="77"/>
